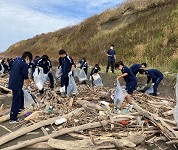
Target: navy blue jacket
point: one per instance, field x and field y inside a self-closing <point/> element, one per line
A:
<point x="66" y="65"/>
<point x="111" y="53"/>
<point x="130" y="78"/>
<point x="45" y="64"/>
<point x="153" y="74"/>
<point x="83" y="65"/>
<point x="18" y="73"/>
<point x="94" y="70"/>
<point x="135" y="68"/>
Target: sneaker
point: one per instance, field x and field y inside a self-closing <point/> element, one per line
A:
<point x="15" y="121"/>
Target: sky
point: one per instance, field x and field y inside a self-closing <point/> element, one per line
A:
<point x="23" y="19"/>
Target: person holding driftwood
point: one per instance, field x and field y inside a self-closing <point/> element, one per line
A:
<point x="130" y="79"/>
<point x="18" y="73"/>
<point x="155" y="75"/>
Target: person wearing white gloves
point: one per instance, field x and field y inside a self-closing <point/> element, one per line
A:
<point x="67" y="64"/>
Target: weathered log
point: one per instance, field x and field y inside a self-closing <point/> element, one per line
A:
<point x="35" y="126"/>
<point x="56" y="134"/>
<point x="42" y="145"/>
<point x="168" y="113"/>
<point x="157" y="121"/>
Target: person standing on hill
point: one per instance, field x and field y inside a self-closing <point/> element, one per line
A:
<point x="18" y="73"/>
<point x="111" y="58"/>
<point x="135" y="68"/>
<point x="155" y="75"/>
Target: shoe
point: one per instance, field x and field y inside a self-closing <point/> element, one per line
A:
<point x="15" y="121"/>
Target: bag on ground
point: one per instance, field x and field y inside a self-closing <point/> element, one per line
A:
<point x="82" y="75"/>
<point x="28" y="98"/>
<point x="119" y="95"/>
<point x="72" y="87"/>
<point x="175" y="112"/>
<point x="58" y="73"/>
<point x="39" y="78"/>
<point x="97" y="81"/>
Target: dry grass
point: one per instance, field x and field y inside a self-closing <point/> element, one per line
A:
<point x="141" y="30"/>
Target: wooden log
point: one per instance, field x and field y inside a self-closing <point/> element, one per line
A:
<point x="42" y="145"/>
<point x="157" y="121"/>
<point x="57" y="133"/>
<point x="35" y="126"/>
<point x="34" y="115"/>
<point x="168" y="113"/>
<point x="5" y="89"/>
<point x="7" y="117"/>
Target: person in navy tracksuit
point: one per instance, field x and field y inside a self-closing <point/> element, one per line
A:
<point x="96" y="69"/>
<point x="45" y="63"/>
<point x="18" y="73"/>
<point x="84" y="65"/>
<point x="135" y="68"/>
<point x="67" y="64"/>
<point x="111" y="58"/>
<point x="34" y="64"/>
<point x="129" y="77"/>
<point x="155" y="75"/>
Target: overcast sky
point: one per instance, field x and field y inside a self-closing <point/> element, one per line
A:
<point x="23" y="19"/>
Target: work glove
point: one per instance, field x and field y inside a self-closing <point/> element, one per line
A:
<point x="70" y="73"/>
<point x="90" y="78"/>
<point x="152" y="84"/>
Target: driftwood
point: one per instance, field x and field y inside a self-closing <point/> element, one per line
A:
<point x="157" y="121"/>
<point x="58" y="133"/>
<point x="23" y="131"/>
<point x="42" y="145"/>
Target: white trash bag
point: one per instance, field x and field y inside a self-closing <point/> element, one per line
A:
<point x="59" y="72"/>
<point x="76" y="72"/>
<point x="82" y="75"/>
<point x="28" y="99"/>
<point x="72" y="87"/>
<point x="150" y="90"/>
<point x="97" y="81"/>
<point x="39" y="78"/>
<point x="175" y="111"/>
<point x="119" y="95"/>
<point x="2" y="69"/>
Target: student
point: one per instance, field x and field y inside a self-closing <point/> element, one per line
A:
<point x="45" y="63"/>
<point x="5" y="65"/>
<point x="111" y="58"/>
<point x="84" y="65"/>
<point x="96" y="69"/>
<point x="155" y="75"/>
<point x="67" y="65"/>
<point x="135" y="68"/>
<point x="18" y="73"/>
<point x="34" y="64"/>
<point x="130" y="79"/>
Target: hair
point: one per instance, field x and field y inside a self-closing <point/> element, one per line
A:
<point x="62" y="51"/>
<point x="36" y="57"/>
<point x="141" y="71"/>
<point x="27" y="54"/>
<point x="97" y="66"/>
<point x="112" y="45"/>
<point x="45" y="57"/>
<point x="144" y="64"/>
<point x="117" y="64"/>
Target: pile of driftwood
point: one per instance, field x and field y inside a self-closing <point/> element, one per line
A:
<point x="92" y="124"/>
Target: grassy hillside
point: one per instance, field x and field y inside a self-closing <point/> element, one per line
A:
<point x="141" y="30"/>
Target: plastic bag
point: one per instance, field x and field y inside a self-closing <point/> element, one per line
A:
<point x="2" y="69"/>
<point x="82" y="75"/>
<point x="28" y="98"/>
<point x="59" y="73"/>
<point x="76" y="72"/>
<point x="175" y="112"/>
<point x="39" y="78"/>
<point x="119" y="95"/>
<point x="97" y="81"/>
<point x="150" y="90"/>
<point x="72" y="87"/>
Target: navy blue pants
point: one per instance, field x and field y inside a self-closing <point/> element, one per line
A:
<point x="17" y="103"/>
<point x="155" y="87"/>
<point x="51" y="79"/>
<point x="110" y="63"/>
<point x="64" y="81"/>
<point x="130" y="87"/>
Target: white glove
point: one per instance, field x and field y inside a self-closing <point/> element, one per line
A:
<point x="70" y="73"/>
<point x="152" y="84"/>
<point x="90" y="78"/>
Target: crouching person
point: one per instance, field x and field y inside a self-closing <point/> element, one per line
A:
<point x="95" y="70"/>
<point x="45" y="63"/>
<point x="129" y="77"/>
<point x="18" y="73"/>
<point x="67" y="64"/>
<point x="155" y="75"/>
